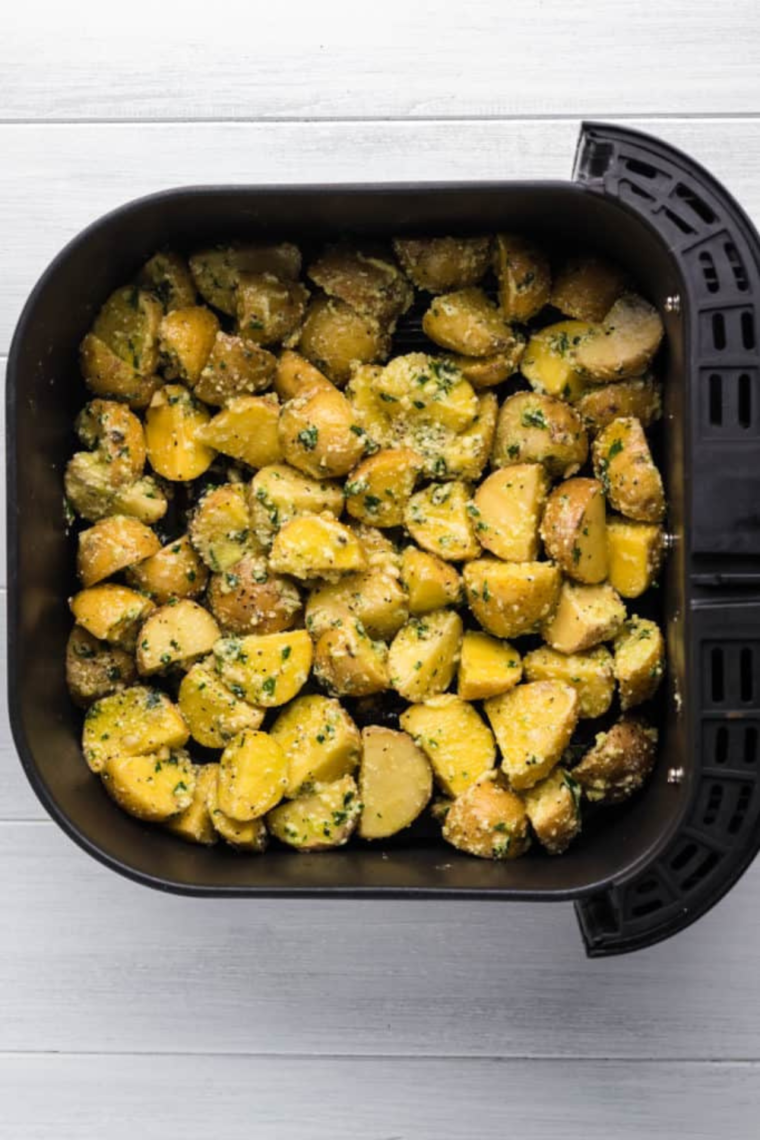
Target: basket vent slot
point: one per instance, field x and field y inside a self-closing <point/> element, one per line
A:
<point x="709" y="272"/>
<point x="697" y="204"/>
<point x="730" y="681"/>
<point x="748" y="330"/>
<point x="729" y="402"/>
<point x="678" y="221"/>
<point x="741" y="810"/>
<point x="746" y="674"/>
<point x="636" y="190"/>
<point x="720" y="750"/>
<point x="717" y="680"/>
<point x="737" y="266"/>
<point x="712" y="807"/>
<point x="731" y="746"/>
<point x="716" y="399"/>
<point x="750" y="744"/>
<point x="718" y="332"/>
<point x="744" y="403"/>
<point x="643" y="169"/>
<point x="691" y="861"/>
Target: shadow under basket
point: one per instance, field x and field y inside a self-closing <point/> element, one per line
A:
<point x="643" y="871"/>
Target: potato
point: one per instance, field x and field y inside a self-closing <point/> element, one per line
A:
<point x="112" y="545"/>
<point x="93" y="670"/>
<point x="175" y="571"/>
<point x="624" y="343"/>
<point x="426" y="391"/>
<point x="173" y="432"/>
<point x="269" y="309"/>
<point x="509" y="505"/>
<point x="246" y="429"/>
<point x="439" y="264"/>
<point x="548" y="363"/>
<point x="464" y="456"/>
<point x="249" y="836"/>
<point x="487" y="667"/>
<point x="108" y="375"/>
<point x="372" y="285"/>
<point x="88" y="486"/>
<point x="533" y="724"/>
<point x="248" y="599"/>
<point x="216" y="272"/>
<point x="295" y="376"/>
<point x="111" y="613"/>
<point x="524" y="277"/>
<point x="510" y="599"/>
<point x="382" y="553"/>
<point x="380" y="487"/>
<point x="553" y="808"/>
<point x="375" y="598"/>
<point x="175" y="634"/>
<point x="489" y="821"/>
<point x="211" y="711"/>
<point x="623" y="465"/>
<point x="467" y="322"/>
<point x="440" y="519"/>
<point x="316" y="546"/>
<point x="459" y="746"/>
<point x="348" y="663"/>
<point x="334" y="337"/>
<point x="152" y="787"/>
<point x="279" y="494"/>
<point x="639" y="661"/>
<point x="143" y="500"/>
<point x="424" y="655"/>
<point x="128" y="325"/>
<point x="619" y="762"/>
<point x="320" y="741"/>
<point x="395" y="782"/>
<point x="429" y="582"/>
<point x="586" y="287"/>
<point x="186" y="338"/>
<point x="235" y="367"/>
<point x="634" y="555"/>
<point x="220" y="527"/>
<point x="167" y="275"/>
<point x="324" y="818"/>
<point x="265" y="669"/>
<point x="194" y="824"/>
<point x="131" y="723"/>
<point x="319" y="436"/>
<point x="371" y="411"/>
<point x="600" y="405"/>
<point x="574" y="529"/>
<point x="532" y="428"/>
<point x="253" y="775"/>
<point x="584" y="616"/>
<point x="117" y="436"/>
<point x="487" y="371"/>
<point x="590" y="673"/>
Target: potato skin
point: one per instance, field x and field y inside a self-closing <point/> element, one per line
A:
<point x="175" y="634"/>
<point x="112" y="545"/>
<point x="279" y="493"/>
<point x="372" y="285"/>
<point x="624" y="343"/>
<point x="186" y="338"/>
<point x="111" y="612"/>
<point x="467" y="322"/>
<point x="509" y="505"/>
<point x="639" y="661"/>
<point x="128" y="325"/>
<point x="623" y="465"/>
<point x="322" y="819"/>
<point x="532" y="428"/>
<point x="132" y="722"/>
<point x="489" y="821"/>
<point x="319" y="435"/>
<point x="375" y="598"/>
<point x="234" y="367"/>
<point x="246" y="430"/>
<point x="94" y="670"/>
<point x="640" y="398"/>
<point x="379" y="488"/>
<point x="548" y="363"/>
<point x="553" y="808"/>
<point x="349" y="663"/>
<point x="619" y="762"/>
<point x="269" y="309"/>
<point x="220" y="527"/>
<point x="584" y="616"/>
<point x="586" y="287"/>
<point x="153" y="786"/>
<point x="574" y="529"/>
<point x="440" y="264"/>
<point x="295" y="376"/>
<point x="524" y="277"/>
<point x="168" y="277"/>
<point x="395" y="782"/>
<point x="334" y="337"/>
<point x="216" y="272"/>
<point x="511" y="599"/>
<point x="488" y="371"/>
<point x="247" y="598"/>
<point x="116" y="434"/>
<point x="175" y="571"/>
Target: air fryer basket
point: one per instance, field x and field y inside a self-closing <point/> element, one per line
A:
<point x="661" y="861"/>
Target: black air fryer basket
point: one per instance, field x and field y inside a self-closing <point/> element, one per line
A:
<point x="674" y="850"/>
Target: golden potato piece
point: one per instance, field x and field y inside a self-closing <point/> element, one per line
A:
<point x="524" y="277"/>
<point x="112" y="545"/>
<point x="295" y="376"/>
<point x="440" y="264"/>
<point x="378" y="490"/>
<point x="143" y="500"/>
<point x="574" y="529"/>
<point x="510" y="599"/>
<point x="131" y="723"/>
<point x="319" y="435"/>
<point x="167" y="275"/>
<point x="395" y="782"/>
<point x="94" y="670"/>
<point x="152" y="787"/>
<point x="128" y="325"/>
<point x="175" y="571"/>
<point x="487" y="667"/>
<point x="269" y="309"/>
<point x="423" y="390"/>
<point x="382" y="552"/>
<point x="265" y="669"/>
<point x="194" y="824"/>
<point x="371" y="411"/>
<point x="533" y="724"/>
<point x="623" y="465"/>
<point x="220" y="527"/>
<point x="217" y="271"/>
<point x="116" y="434"/>
<point x="88" y="486"/>
<point x="467" y="322"/>
<point x="316" y="546"/>
<point x="372" y="285"/>
<point x="600" y="405"/>
<point x="246" y="429"/>
<point x="253" y="775"/>
<point x="375" y="598"/>
<point x="175" y="634"/>
<point x="548" y="363"/>
<point x="590" y="673"/>
<point x="320" y="741"/>
<point x="459" y="746"/>
<point x="624" y="343"/>
<point x="510" y="504"/>
<point x="320" y="820"/>
<point x="109" y="376"/>
<point x="532" y="428"/>
<point x="489" y="821"/>
<point x="584" y="616"/>
<point x="348" y="663"/>
<point x="186" y="338"/>
<point x="553" y="808"/>
<point x="334" y="337"/>
<point x="111" y="613"/>
<point x="430" y="582"/>
<point x="586" y="287"/>
<point x="487" y="371"/>
<point x="247" y="598"/>
<point x="234" y="367"/>
<point x="424" y="655"/>
<point x="639" y="661"/>
<point x="619" y="762"/>
<point x="463" y="456"/>
<point x="211" y="711"/>
<point x="279" y="494"/>
<point x="249" y="836"/>
<point x="173" y="432"/>
<point x="442" y="521"/>
<point x="634" y="555"/>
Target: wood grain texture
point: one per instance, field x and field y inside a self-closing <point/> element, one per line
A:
<point x="396" y="59"/>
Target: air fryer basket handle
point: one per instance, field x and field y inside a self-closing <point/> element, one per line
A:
<point x="716" y="250"/>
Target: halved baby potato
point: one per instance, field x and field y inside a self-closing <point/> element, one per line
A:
<point x="533" y="428"/>
<point x="265" y="669"/>
<point x="372" y="285"/>
<point x="269" y="308"/>
<point x="624" y="343"/>
<point x="152" y="786"/>
<point x="430" y="583"/>
<point x="634" y="555"/>
<point x="440" y="519"/>
<point x="194" y="824"/>
<point x="487" y="667"/>
<point x="511" y="599"/>
<point x="247" y="598"/>
<point x="216" y="272"/>
<point x="279" y="494"/>
<point x="128" y="325"/>
<point x="488" y="371"/>
<point x="168" y="276"/>
<point x="319" y="434"/>
<point x="133" y="722"/>
<point x="440" y="264"/>
<point x="316" y="546"/>
<point x="458" y="744"/>
<point x="319" y="739"/>
<point x="348" y="663"/>
<point x="211" y="710"/>
<point x="186" y="338"/>
<point x="510" y="503"/>
<point x="548" y="363"/>
<point x="249" y="836"/>
<point x="590" y="672"/>
<point x="586" y="287"/>
<point x="464" y="455"/>
<point x="296" y="376"/>
<point x="378" y="490"/>
<point x="375" y="598"/>
<point x="639" y="661"/>
<point x="116" y="435"/>
<point x="234" y="367"/>
<point x="173" y="433"/>
<point x="176" y="634"/>
<point x="220" y="527"/>
<point x="107" y="375"/>
<point x="246" y="429"/>
<point x="600" y="405"/>
<point x="253" y="776"/>
<point x="553" y="808"/>
<point x="619" y="761"/>
<point x="334" y="337"/>
<point x="395" y="782"/>
<point x="489" y="821"/>
<point x="584" y="616"/>
<point x="322" y="819"/>
<point x="533" y="724"/>
<point x="371" y="411"/>
<point x="574" y="529"/>
<point x="524" y="277"/>
<point x="467" y="322"/>
<point x="144" y="500"/>
<point x="623" y="465"/>
<point x="424" y="654"/>
<point x="175" y="571"/>
<point x="95" y="669"/>
<point x="111" y="612"/>
<point x="112" y="545"/>
<point x="422" y="390"/>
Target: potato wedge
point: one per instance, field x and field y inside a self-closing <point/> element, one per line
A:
<point x="524" y="277"/>
<point x="468" y="323"/>
<point x="533" y="724"/>
<point x="371" y="412"/>
<point x="619" y="762"/>
<point x="168" y="277"/>
<point x="194" y="824"/>
<point x="458" y="744"/>
<point x="175" y="571"/>
<point x="269" y="309"/>
<point x="279" y="494"/>
<point x="94" y="670"/>
<point x="249" y="836"/>
<point x="267" y="669"/>
<point x="600" y="405"/>
<point x="186" y="338"/>
<point x="463" y="456"/>
<point x="488" y="371"/>
<point x="623" y="465"/>
<point x="111" y="613"/>
<point x="532" y="428"/>
<point x="639" y="661"/>
<point x="381" y="551"/>
<point x="488" y="821"/>
<point x="116" y="434"/>
<point x="487" y="667"/>
<point x="320" y="741"/>
<point x="107" y="375"/>
<point x="372" y="285"/>
<point x="153" y="786"/>
<point x="430" y="582"/>
<point x="587" y="287"/>
<point x="247" y="598"/>
<point x="295" y="376"/>
<point x="143" y="500"/>
<point x="510" y="599"/>
<point x="553" y="808"/>
<point x="625" y="343"/>
<point x="176" y="634"/>
<point x="375" y="598"/>
<point x="634" y="555"/>
<point x="590" y="673"/>
<point x="334" y="337"/>
<point x="316" y="546"/>
<point x="510" y="503"/>
<point x="216" y="272"/>
<point x="112" y="545"/>
<point x="246" y="429"/>
<point x="424" y="655"/>
<point x="348" y="663"/>
<point x="253" y="775"/>
<point x="440" y="264"/>
<point x="324" y="818"/>
<point x="319" y="435"/>
<point x="173" y="432"/>
<point x="211" y="711"/>
<point x="131" y="723"/>
<point x="584" y="616"/>
<point x="220" y="527"/>
<point x="395" y="782"/>
<point x="128" y="325"/>
<point x="574" y="529"/>
<point x="234" y="367"/>
<point x="441" y="520"/>
<point x="548" y="363"/>
<point x="421" y="389"/>
<point x="378" y="490"/>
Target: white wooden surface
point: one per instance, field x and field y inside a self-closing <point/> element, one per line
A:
<point x="125" y="1012"/>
